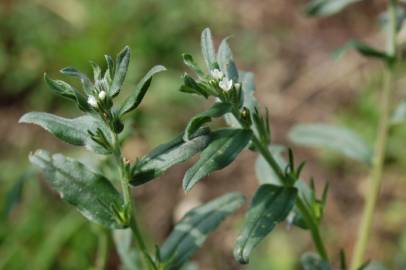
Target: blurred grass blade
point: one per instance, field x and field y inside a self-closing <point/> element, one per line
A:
<point x="134" y="100"/>
<point x="224" y="147"/>
<point x="338" y="139"/>
<point x="167" y="155"/>
<point x="122" y="61"/>
<point x="311" y="261"/>
<point x="191" y="232"/>
<point x="363" y="49"/>
<point x="209" y="54"/>
<point x="92" y="194"/>
<point x="324" y="8"/>
<point x="217" y="110"/>
<point x="73" y="131"/>
<point x="271" y="204"/>
<point x="226" y="61"/>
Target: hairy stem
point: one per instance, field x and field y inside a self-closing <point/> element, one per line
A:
<point x="379" y="152"/>
<point x="307" y="215"/>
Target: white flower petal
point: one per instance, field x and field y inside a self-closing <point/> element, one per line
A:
<point x="226" y="84"/>
<point x="217" y="74"/>
<point x="92" y="101"/>
<point x="102" y="95"/>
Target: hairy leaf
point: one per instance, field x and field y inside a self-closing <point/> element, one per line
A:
<point x="271" y="204"/>
<point x="73" y="131"/>
<point x="167" y="155"/>
<point x="225" y="146"/>
<point x="92" y="194"/>
<point x="191" y="232"/>
<point x="209" y="54"/>
<point x="338" y="139"/>
<point x="134" y="100"/>
<point x="325" y="8"/>
<point x="226" y="61"/>
<point x="86" y="83"/>
<point x="188" y="60"/>
<point x="122" y="61"/>
<point x="217" y="110"/>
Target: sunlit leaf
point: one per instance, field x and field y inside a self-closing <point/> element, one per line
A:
<point x="217" y="110"/>
<point x="224" y="147"/>
<point x="92" y="194"/>
<point x="209" y="54"/>
<point x="167" y="155"/>
<point x="122" y="61"/>
<point x="271" y="204"/>
<point x="73" y="131"/>
<point x="191" y="232"/>
<point x="226" y="61"/>
<point x="338" y="139"/>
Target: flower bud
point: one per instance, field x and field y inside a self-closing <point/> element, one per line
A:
<point x="102" y="95"/>
<point x="92" y="101"/>
<point x="217" y="74"/>
<point x="226" y="84"/>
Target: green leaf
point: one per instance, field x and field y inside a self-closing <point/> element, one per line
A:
<point x="191" y="232"/>
<point x="130" y="259"/>
<point x="324" y="8"/>
<point x="225" y="146"/>
<point x="167" y="155"/>
<point x="217" y="110"/>
<point x="188" y="60"/>
<point x="73" y="131"/>
<point x="363" y="49"/>
<point x="134" y="100"/>
<point x="271" y="204"/>
<point x="226" y="61"/>
<point x="122" y="61"/>
<point x="399" y="115"/>
<point x="88" y="87"/>
<point x="193" y="87"/>
<point x="110" y="65"/>
<point x="209" y="54"/>
<point x="338" y="139"/>
<point x="311" y="261"/>
<point x="92" y="194"/>
<point x="14" y="195"/>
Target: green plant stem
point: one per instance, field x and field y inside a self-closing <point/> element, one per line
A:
<point x="126" y="191"/>
<point x="380" y="147"/>
<point x="307" y="215"/>
<point x="101" y="250"/>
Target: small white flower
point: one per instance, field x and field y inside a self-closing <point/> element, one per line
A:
<point x="217" y="74"/>
<point x="102" y="95"/>
<point x="226" y="84"/>
<point x="92" y="101"/>
<point x="237" y="86"/>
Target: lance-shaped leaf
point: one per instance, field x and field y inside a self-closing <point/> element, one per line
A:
<point x="341" y="140"/>
<point x="122" y="61"/>
<point x="167" y="155"/>
<point x="271" y="204"/>
<point x="226" y="61"/>
<point x="224" y="147"/>
<point x="92" y="194"/>
<point x="311" y="261"/>
<point x="399" y="115"/>
<point x="110" y="65"/>
<point x="193" y="87"/>
<point x="88" y="87"/>
<point x="188" y="60"/>
<point x="136" y="97"/>
<point x="217" y="110"/>
<point x="73" y="131"/>
<point x="325" y="8"/>
<point x="209" y="54"/>
<point x="363" y="49"/>
<point x="191" y="232"/>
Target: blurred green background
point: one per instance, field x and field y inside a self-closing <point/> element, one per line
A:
<point x="296" y="79"/>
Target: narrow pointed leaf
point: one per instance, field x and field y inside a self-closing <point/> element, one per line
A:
<point x="217" y="110"/>
<point x="73" y="131"/>
<point x="188" y="60"/>
<point x="270" y="205"/>
<point x="225" y="146"/>
<point x="338" y="139"/>
<point x="167" y="155"/>
<point x="311" y="261"/>
<point x="226" y="61"/>
<point x="110" y="65"/>
<point x="209" y="54"/>
<point x="136" y="97"/>
<point x="193" y="87"/>
<point x="60" y="87"/>
<point x="324" y="8"/>
<point x="363" y="49"/>
<point x="86" y="83"/>
<point x="92" y="194"/>
<point x="191" y="232"/>
<point x="122" y="61"/>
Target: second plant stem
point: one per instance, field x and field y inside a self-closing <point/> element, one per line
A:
<point x="380" y="144"/>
